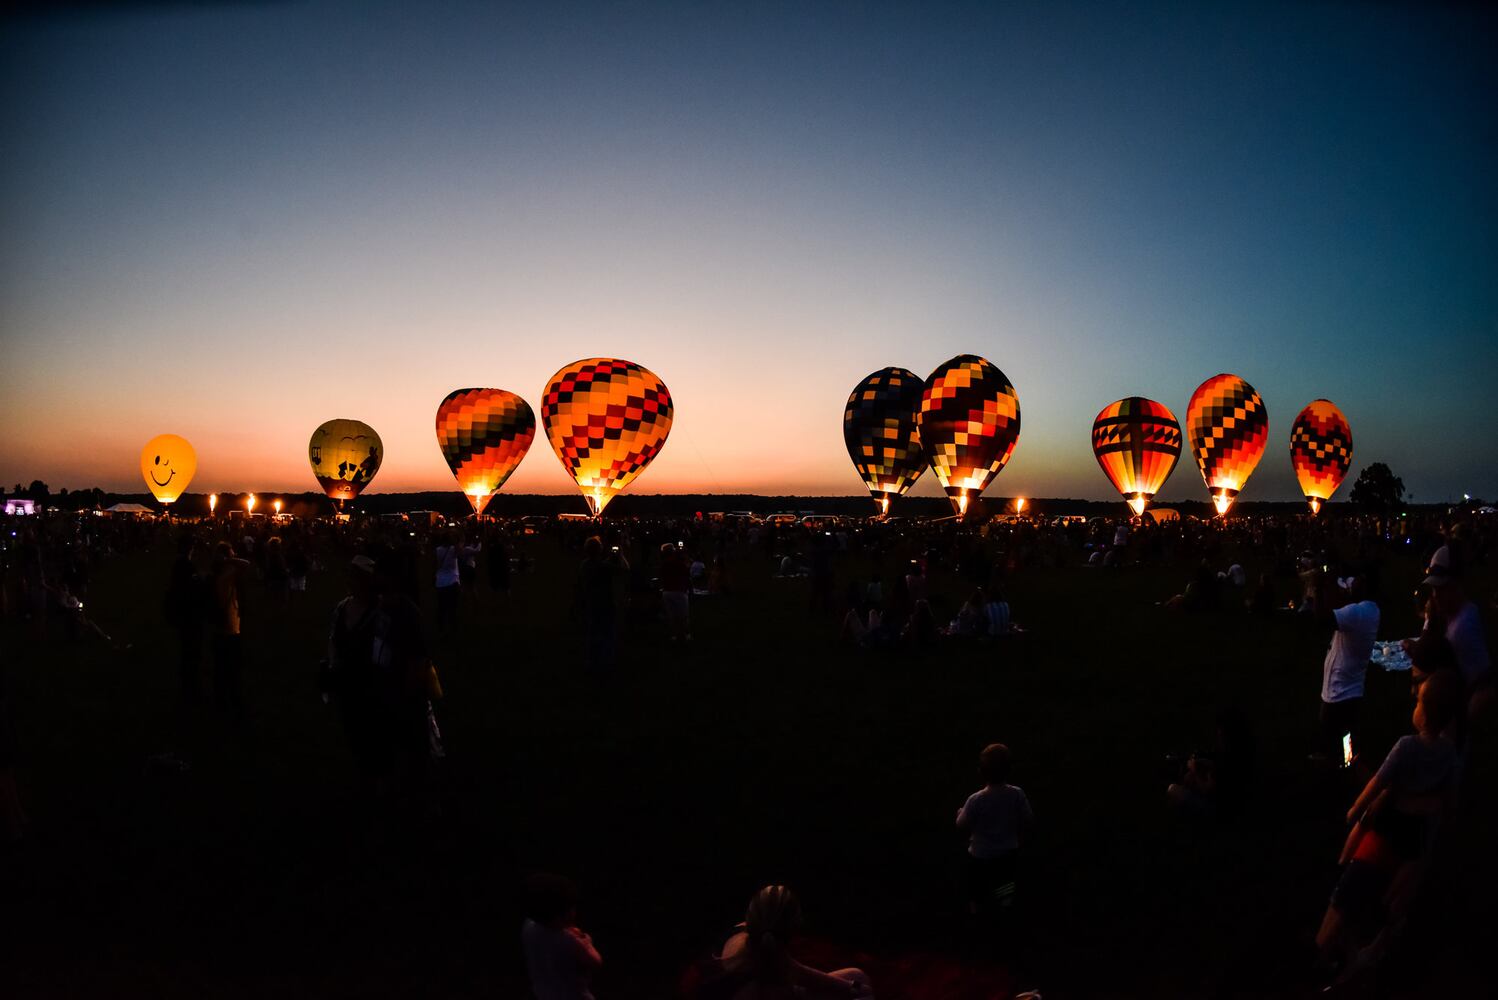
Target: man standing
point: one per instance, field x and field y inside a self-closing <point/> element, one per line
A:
<point x="1346" y="663"/>
<point x="228" y="654"/>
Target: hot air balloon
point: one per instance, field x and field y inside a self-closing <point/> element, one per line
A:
<point x="1321" y="451"/>
<point x="167" y="464"/>
<point x="345" y="455"/>
<point x="606" y="419"/>
<point x="1228" y="427"/>
<point x="879" y="430"/>
<point x="1137" y="442"/>
<point x="969" y="425"/>
<point x="484" y="433"/>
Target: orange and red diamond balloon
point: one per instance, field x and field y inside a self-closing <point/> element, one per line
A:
<point x="1137" y="442"/>
<point x="1320" y="451"/>
<point x="879" y="428"/>
<point x="484" y="433"/>
<point x="1228" y="428"/>
<point x="606" y="419"/>
<point x="969" y="425"/>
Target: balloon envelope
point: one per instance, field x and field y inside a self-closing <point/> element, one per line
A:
<point x="879" y="430"/>
<point x="1228" y="427"/>
<point x="969" y="425"/>
<point x="167" y="464"/>
<point x="606" y="419"/>
<point x="1137" y="442"/>
<point x="484" y="433"/>
<point x="1320" y="451"/>
<point x="345" y="455"/>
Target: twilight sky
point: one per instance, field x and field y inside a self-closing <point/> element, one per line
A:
<point x="234" y="222"/>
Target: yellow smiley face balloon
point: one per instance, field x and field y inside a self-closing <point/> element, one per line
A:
<point x="166" y="464"/>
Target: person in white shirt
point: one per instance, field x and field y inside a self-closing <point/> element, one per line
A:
<point x="559" y="955"/>
<point x="1463" y="623"/>
<point x="449" y="553"/>
<point x="995" y="818"/>
<point x="1346" y="664"/>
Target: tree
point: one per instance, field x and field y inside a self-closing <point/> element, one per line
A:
<point x="1378" y="489"/>
<point x="38" y="490"/>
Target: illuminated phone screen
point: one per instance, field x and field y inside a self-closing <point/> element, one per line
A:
<point x="1346" y="749"/>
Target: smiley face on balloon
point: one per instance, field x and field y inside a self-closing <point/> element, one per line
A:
<point x="167" y="464"/>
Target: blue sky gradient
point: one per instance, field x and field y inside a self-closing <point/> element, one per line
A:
<point x="233" y="222"/>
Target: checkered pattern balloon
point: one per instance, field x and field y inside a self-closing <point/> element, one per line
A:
<point x="606" y="419"/>
<point x="1228" y="427"/>
<point x="969" y="425"/>
<point x="345" y="455"/>
<point x="1137" y="442"/>
<point x="1320" y="451"/>
<point x="484" y="433"/>
<point x="879" y="430"/>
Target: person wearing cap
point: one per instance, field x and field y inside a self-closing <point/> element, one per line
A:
<point x="1459" y="618"/>
<point x="1355" y="620"/>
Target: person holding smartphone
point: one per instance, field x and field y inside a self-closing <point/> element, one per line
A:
<point x="1354" y="619"/>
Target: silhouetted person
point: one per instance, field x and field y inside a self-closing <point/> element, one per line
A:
<point x="226" y="580"/>
<point x="186" y="613"/>
<point x="597" y="601"/>
<point x="559" y="956"/>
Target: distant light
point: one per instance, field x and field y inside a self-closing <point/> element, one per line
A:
<point x="249" y="504"/>
<point x="1019" y="505"/>
<point x="212" y="502"/>
<point x="277" y="505"/>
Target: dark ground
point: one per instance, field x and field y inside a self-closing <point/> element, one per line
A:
<point x="764" y="751"/>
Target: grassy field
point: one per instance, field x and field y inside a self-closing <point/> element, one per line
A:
<point x="763" y="751"/>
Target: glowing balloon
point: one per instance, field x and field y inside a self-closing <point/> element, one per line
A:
<point x="879" y="430"/>
<point x="484" y="433"/>
<point x="345" y="455"/>
<point x="1321" y="451"/>
<point x="969" y="425"/>
<point x="1137" y="442"/>
<point x="167" y="464"/>
<point x="1228" y="427"/>
<point x="606" y="419"/>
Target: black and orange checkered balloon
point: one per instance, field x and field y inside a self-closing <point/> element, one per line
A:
<point x="483" y="434"/>
<point x="606" y="419"/>
<point x="1321" y="451"/>
<point x="1137" y="442"/>
<point x="969" y="425"/>
<point x="1228" y="427"/>
<point x="879" y="430"/>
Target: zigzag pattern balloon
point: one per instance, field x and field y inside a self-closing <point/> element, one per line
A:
<point x="1228" y="428"/>
<point x="1137" y="442"/>
<point x="1320" y="451"/>
<point x="483" y="434"/>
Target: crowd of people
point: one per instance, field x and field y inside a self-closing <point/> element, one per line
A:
<point x="639" y="581"/>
